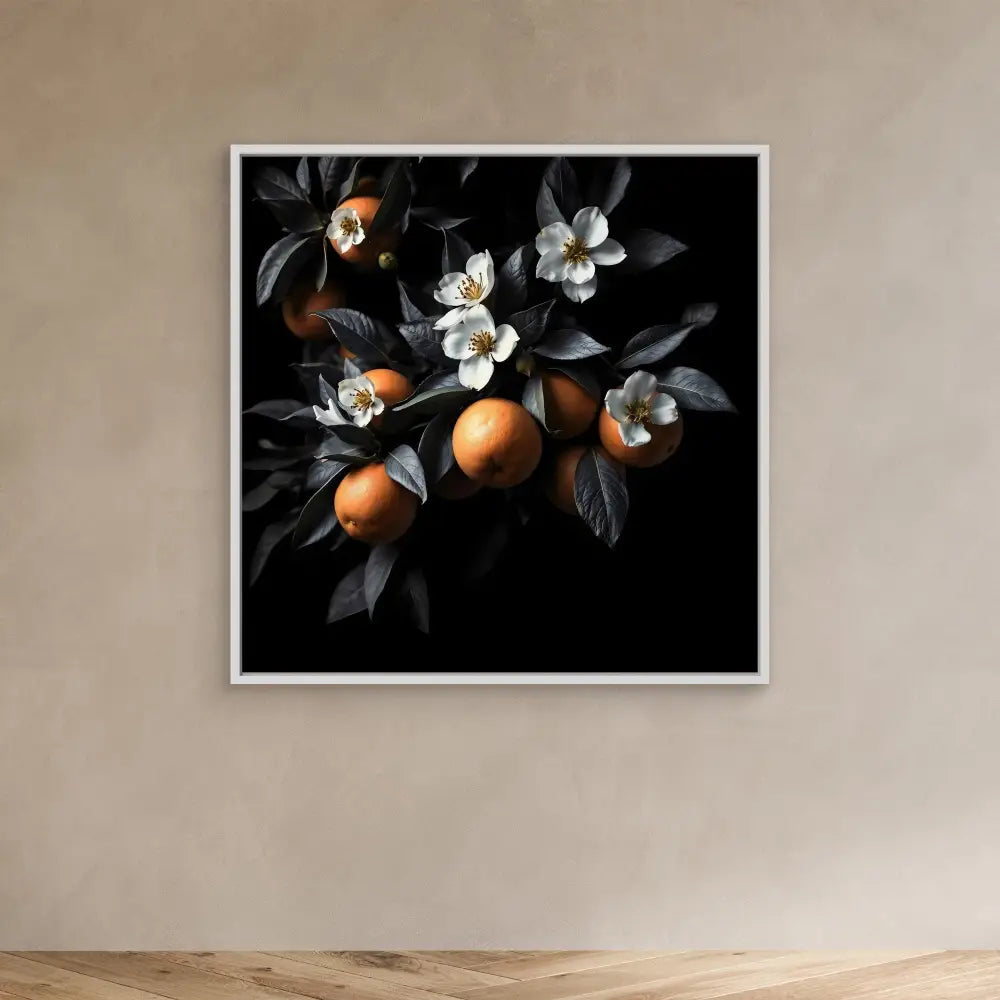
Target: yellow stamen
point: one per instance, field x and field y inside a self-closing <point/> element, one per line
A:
<point x="471" y="288"/>
<point x="482" y="342"/>
<point x="362" y="399"/>
<point x="638" y="412"/>
<point x="575" y="251"/>
<point x="349" y="226"/>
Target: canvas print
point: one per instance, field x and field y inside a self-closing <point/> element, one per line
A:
<point x="499" y="416"/>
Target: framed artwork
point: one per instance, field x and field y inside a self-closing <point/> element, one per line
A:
<point x="499" y="414"/>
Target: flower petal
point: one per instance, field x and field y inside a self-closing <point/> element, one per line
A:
<point x="475" y="372"/>
<point x="447" y="292"/>
<point x="639" y="385"/>
<point x="580" y="271"/>
<point x="358" y="235"/>
<point x="343" y="242"/>
<point x="663" y="408"/>
<point x="608" y="252"/>
<point x="551" y="266"/>
<point x="581" y="292"/>
<point x="363" y="417"/>
<point x="633" y="435"/>
<point x="590" y="226"/>
<point x="377" y="406"/>
<point x="614" y="403"/>
<point x="456" y="342"/>
<point x="506" y="338"/>
<point x="451" y="318"/>
<point x="346" y="389"/>
<point x="331" y="417"/>
<point x="479" y="267"/>
<point x="552" y="238"/>
<point x="478" y="317"/>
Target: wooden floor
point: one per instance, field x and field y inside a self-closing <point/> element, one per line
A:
<point x="501" y="975"/>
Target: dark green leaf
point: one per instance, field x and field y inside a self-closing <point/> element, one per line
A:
<point x="411" y="314"/>
<point x="270" y="463"/>
<point x="533" y="399"/>
<point x="381" y="559"/>
<point x="322" y="471"/>
<point x="347" y="187"/>
<point x="456" y="252"/>
<point x="330" y="169"/>
<point x="263" y="492"/>
<point x="465" y="167"/>
<point x="700" y="314"/>
<point x="546" y="210"/>
<point x="601" y="495"/>
<point x="269" y="538"/>
<point x="315" y="520"/>
<point x="424" y="340"/>
<point x="530" y="323"/>
<point x="695" y="390"/>
<point x="352" y="369"/>
<point x="302" y="176"/>
<point x="512" y="282"/>
<point x="617" y="185"/>
<point x="402" y="464"/>
<point x="395" y="202"/>
<point x="415" y="587"/>
<point x="276" y="409"/>
<point x="288" y="203"/>
<point x="436" y="219"/>
<point x="646" y="249"/>
<point x="351" y="435"/>
<point x="284" y="260"/>
<point x="359" y="333"/>
<point x="568" y="345"/>
<point x="323" y="266"/>
<point x="654" y="344"/>
<point x="561" y="179"/>
<point x="435" y="393"/>
<point x="436" y="455"/>
<point x="348" y="596"/>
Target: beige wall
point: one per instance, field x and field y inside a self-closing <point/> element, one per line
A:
<point x="143" y="802"/>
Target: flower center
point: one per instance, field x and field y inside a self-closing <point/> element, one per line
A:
<point x="482" y="342"/>
<point x="575" y="251"/>
<point x="348" y="226"/>
<point x="470" y="288"/>
<point x="638" y="411"/>
<point x="362" y="399"/>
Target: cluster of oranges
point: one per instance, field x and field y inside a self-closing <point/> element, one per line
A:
<point x="496" y="442"/>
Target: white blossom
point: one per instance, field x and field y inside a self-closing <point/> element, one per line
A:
<point x="639" y="403"/>
<point x="345" y="229"/>
<point x="478" y="343"/>
<point x="569" y="254"/>
<point x="464" y="290"/>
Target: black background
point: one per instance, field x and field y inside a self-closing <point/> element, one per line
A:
<point x="679" y="593"/>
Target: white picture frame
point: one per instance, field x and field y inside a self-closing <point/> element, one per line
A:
<point x="761" y="676"/>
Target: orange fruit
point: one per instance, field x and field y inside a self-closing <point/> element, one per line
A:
<point x="569" y="409"/>
<point x="496" y="443"/>
<point x="390" y="387"/>
<point x="455" y="485"/>
<point x="366" y="253"/>
<point x="665" y="439"/>
<point x="303" y="300"/>
<point x="559" y="486"/>
<point x="373" y="508"/>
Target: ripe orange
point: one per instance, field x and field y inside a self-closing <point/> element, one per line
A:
<point x="562" y="477"/>
<point x="365" y="254"/>
<point x="665" y="439"/>
<point x="569" y="409"/>
<point x="373" y="508"/>
<point x="390" y="387"/>
<point x="303" y="300"/>
<point x="496" y="443"/>
<point x="455" y="485"/>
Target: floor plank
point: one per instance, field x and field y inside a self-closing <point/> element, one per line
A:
<point x="476" y="959"/>
<point x="30" y="979"/>
<point x="626" y="974"/>
<point x="153" y="972"/>
<point x="688" y="976"/>
<point x="301" y="978"/>
<point x="398" y="967"/>
<point x="558" y="963"/>
<point x="944" y="976"/>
